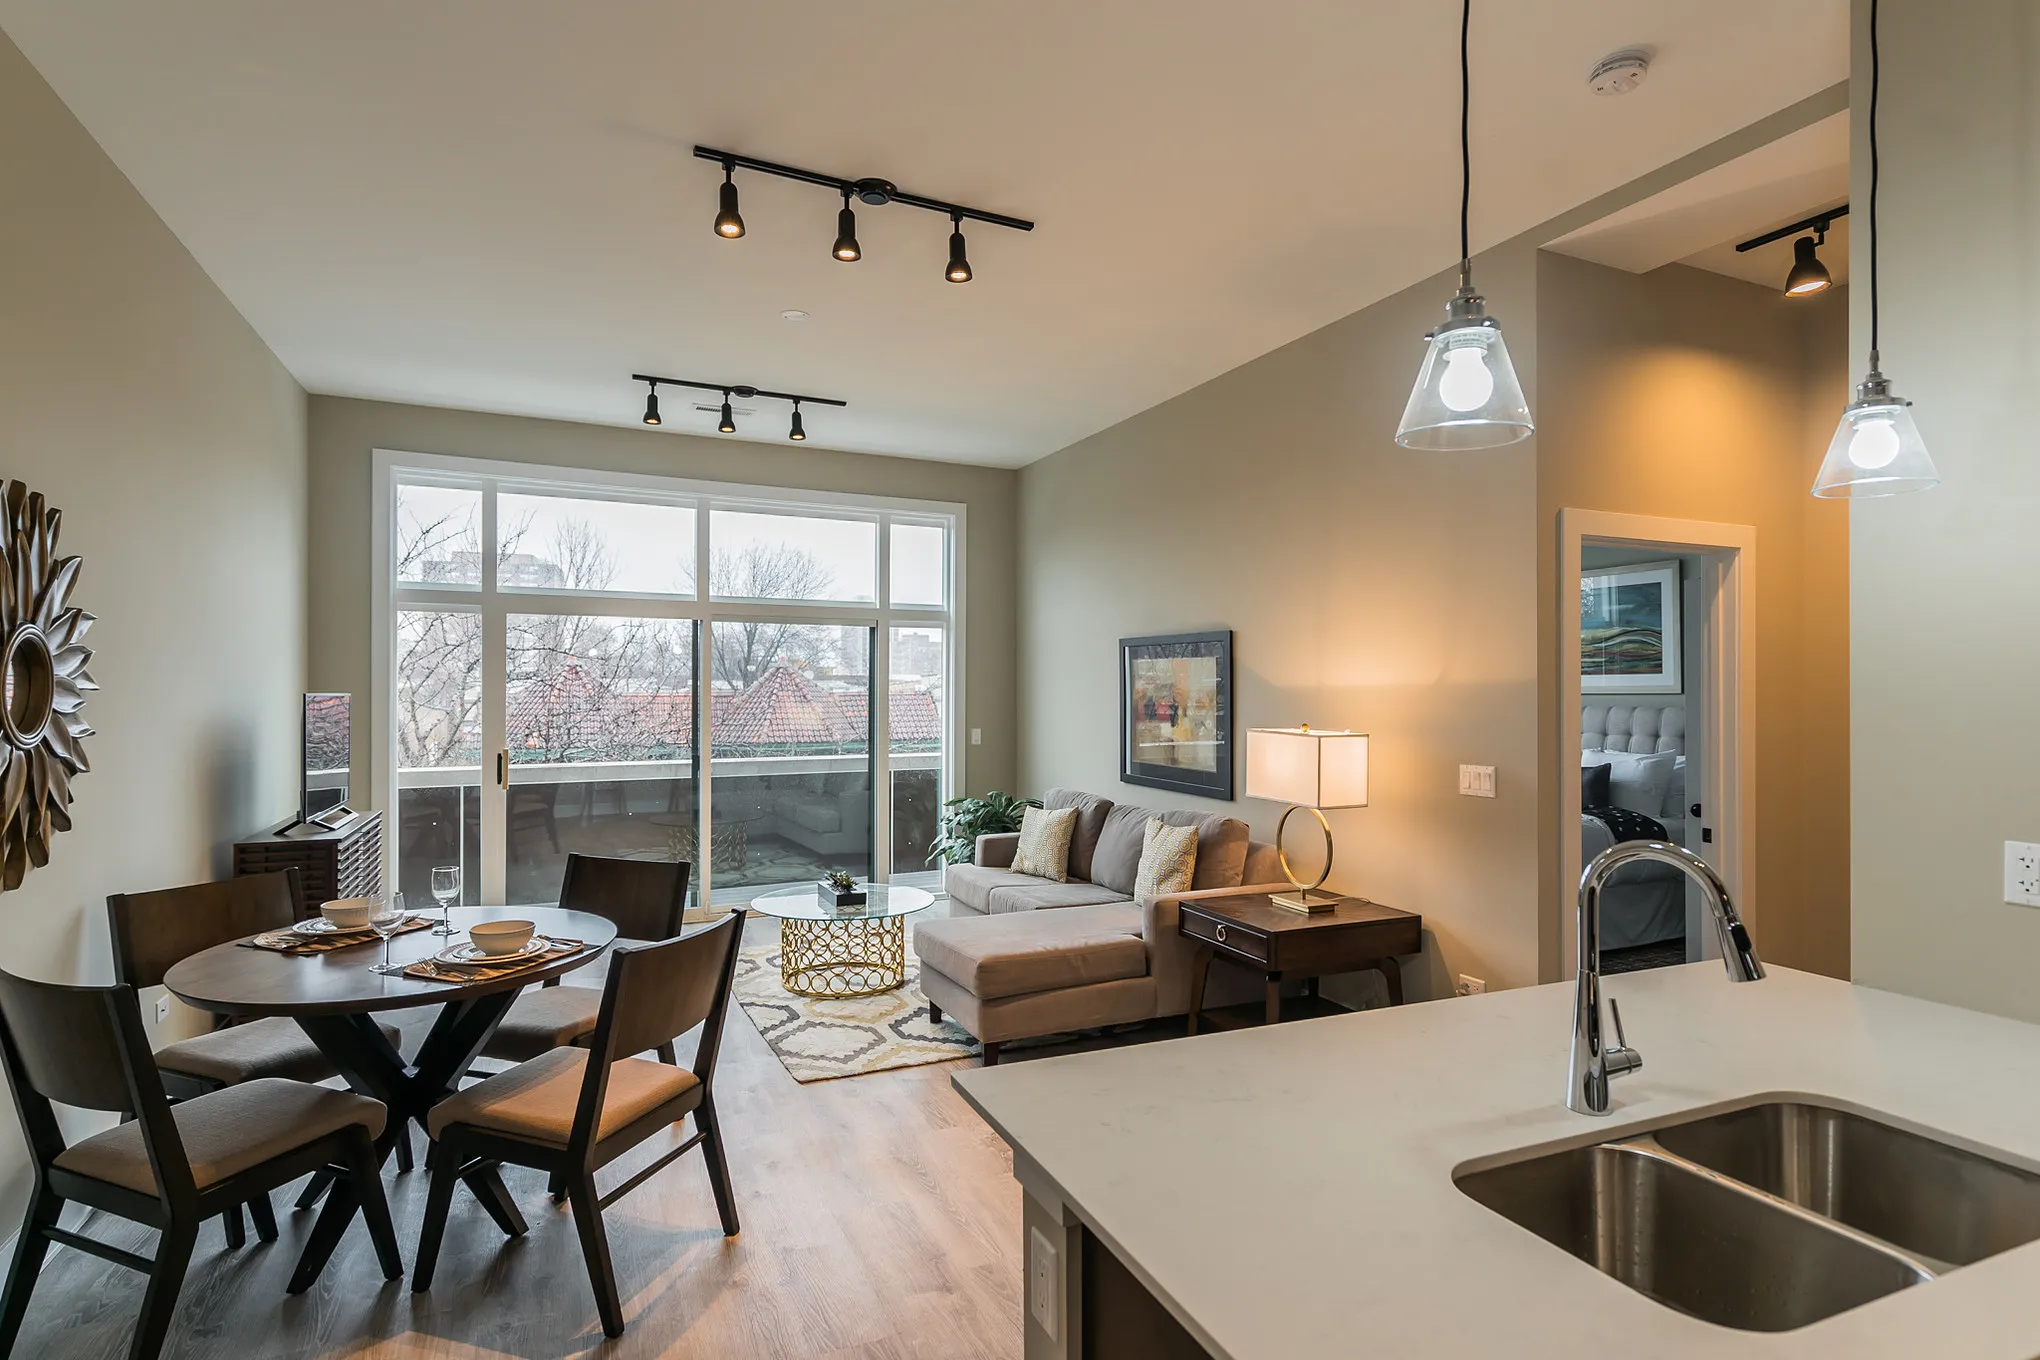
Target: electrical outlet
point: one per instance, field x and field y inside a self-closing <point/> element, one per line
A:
<point x="2022" y="873"/>
<point x="1041" y="1280"/>
<point x="162" y="1009"/>
<point x="977" y="736"/>
<point x="1477" y="781"/>
<point x="1469" y="985"/>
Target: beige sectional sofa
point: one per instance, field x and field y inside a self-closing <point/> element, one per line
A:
<point x="1023" y="956"/>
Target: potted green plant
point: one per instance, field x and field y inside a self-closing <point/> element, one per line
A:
<point x="839" y="889"/>
<point x="965" y="819"/>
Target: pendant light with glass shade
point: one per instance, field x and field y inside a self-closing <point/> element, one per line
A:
<point x="1466" y="396"/>
<point x="1877" y="449"/>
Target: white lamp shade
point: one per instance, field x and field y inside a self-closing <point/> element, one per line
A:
<point x="1306" y="767"/>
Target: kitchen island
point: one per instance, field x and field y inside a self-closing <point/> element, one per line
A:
<point x="1287" y="1192"/>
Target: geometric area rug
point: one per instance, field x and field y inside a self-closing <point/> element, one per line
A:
<point x="819" y="1039"/>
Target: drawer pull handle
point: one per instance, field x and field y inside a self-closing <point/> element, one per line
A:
<point x="1221" y="934"/>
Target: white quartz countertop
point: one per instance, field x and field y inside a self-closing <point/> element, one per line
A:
<point x="1287" y="1191"/>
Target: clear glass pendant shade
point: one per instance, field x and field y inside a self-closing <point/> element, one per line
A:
<point x="1877" y="449"/>
<point x="1466" y="395"/>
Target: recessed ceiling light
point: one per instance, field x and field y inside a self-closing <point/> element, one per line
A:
<point x="793" y="314"/>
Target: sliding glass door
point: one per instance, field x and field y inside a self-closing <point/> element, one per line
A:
<point x="643" y="668"/>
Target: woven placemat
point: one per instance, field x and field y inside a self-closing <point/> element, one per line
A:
<point x="290" y="942"/>
<point x="432" y="970"/>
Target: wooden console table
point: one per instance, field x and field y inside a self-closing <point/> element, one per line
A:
<point x="343" y="863"/>
<point x="1253" y="933"/>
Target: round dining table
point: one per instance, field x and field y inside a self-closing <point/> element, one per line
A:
<point x="335" y="997"/>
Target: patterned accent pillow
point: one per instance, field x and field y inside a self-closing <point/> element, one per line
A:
<point x="1044" y="849"/>
<point x="1168" y="862"/>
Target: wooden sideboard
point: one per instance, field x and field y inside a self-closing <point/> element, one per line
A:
<point x="343" y="863"/>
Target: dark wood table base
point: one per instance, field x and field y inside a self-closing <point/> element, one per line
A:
<point x="1250" y="932"/>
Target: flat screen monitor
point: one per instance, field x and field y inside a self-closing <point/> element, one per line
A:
<point x="327" y="755"/>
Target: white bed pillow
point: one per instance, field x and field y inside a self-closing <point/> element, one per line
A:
<point x="1675" y="792"/>
<point x="1637" y="781"/>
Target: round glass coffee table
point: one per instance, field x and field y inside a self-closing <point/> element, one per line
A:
<point x="825" y="950"/>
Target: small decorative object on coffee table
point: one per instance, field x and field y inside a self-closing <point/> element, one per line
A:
<point x="849" y="951"/>
<point x="839" y="889"/>
<point x="1251" y="932"/>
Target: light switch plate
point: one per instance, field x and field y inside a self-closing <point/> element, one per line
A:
<point x="2022" y="873"/>
<point x="1041" y="1280"/>
<point x="977" y="736"/>
<point x="1477" y="781"/>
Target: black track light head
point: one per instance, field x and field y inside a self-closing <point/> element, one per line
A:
<point x="1809" y="275"/>
<point x="846" y="247"/>
<point x="729" y="223"/>
<point x="652" y="406"/>
<point x="728" y="424"/>
<point x="796" y="433"/>
<point x="959" y="266"/>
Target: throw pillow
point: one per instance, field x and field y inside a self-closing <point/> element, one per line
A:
<point x="1594" y="786"/>
<point x="1638" y="782"/>
<point x="1044" y="849"/>
<point x="1168" y="862"/>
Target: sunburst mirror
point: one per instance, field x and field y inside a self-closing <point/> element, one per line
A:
<point x="43" y="684"/>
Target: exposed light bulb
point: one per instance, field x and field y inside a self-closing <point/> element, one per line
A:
<point x="1875" y="443"/>
<point x="1466" y="384"/>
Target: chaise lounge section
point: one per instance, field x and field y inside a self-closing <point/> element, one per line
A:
<point x="1026" y="957"/>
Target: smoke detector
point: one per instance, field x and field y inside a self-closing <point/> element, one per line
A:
<point x="1619" y="72"/>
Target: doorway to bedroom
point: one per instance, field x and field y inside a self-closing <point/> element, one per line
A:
<point x="1655" y="647"/>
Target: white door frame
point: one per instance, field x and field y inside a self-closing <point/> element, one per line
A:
<point x="1727" y="694"/>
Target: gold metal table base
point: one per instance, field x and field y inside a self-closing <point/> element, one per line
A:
<point x="854" y="956"/>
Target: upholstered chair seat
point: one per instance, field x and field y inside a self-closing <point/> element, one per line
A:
<point x="270" y="1047"/>
<point x="535" y="1100"/>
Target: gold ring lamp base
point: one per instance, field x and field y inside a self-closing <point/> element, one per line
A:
<point x="1306" y="898"/>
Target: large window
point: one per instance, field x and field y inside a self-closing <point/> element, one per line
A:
<point x="558" y="681"/>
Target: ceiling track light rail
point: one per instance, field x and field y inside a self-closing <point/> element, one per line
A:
<point x="870" y="191"/>
<point x="1821" y="222"/>
<point x="728" y="424"/>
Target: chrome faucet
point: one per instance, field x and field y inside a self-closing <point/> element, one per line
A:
<point x="1594" y="1066"/>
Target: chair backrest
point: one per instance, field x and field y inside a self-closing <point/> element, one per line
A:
<point x="642" y="898"/>
<point x="85" y="1047"/>
<point x="153" y="931"/>
<point x="654" y="994"/>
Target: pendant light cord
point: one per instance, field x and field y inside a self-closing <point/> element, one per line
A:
<point x="1875" y="75"/>
<point x="1466" y="146"/>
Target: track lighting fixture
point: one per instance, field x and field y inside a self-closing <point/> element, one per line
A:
<point x="729" y="222"/>
<point x="1808" y="275"/>
<point x="959" y="266"/>
<point x="1466" y="395"/>
<point x="871" y="191"/>
<point x="1877" y="449"/>
<point x="846" y="232"/>
<point x="727" y="424"/>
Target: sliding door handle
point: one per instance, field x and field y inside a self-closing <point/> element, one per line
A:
<point x="503" y="769"/>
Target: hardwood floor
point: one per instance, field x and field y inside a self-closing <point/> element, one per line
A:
<point x="880" y="1222"/>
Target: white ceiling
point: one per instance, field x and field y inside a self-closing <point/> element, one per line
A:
<point x="1700" y="220"/>
<point x="492" y="204"/>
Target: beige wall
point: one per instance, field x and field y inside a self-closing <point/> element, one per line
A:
<point x="345" y="433"/>
<point x="1946" y="583"/>
<point x="134" y="396"/>
<point x="1367" y="587"/>
<point x="1686" y="395"/>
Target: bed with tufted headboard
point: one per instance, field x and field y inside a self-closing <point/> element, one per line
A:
<point x="1644" y="903"/>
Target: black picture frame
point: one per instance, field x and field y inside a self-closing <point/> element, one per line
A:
<point x="1209" y="713"/>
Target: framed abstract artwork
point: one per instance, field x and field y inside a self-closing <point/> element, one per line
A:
<point x="1629" y="630"/>
<point x="1175" y="713"/>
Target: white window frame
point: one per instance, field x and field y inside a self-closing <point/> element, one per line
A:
<point x="390" y="467"/>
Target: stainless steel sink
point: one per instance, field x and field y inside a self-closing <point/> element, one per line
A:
<point x="1940" y="1202"/>
<point x="1769" y="1217"/>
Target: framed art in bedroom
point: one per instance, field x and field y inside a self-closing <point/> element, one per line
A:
<point x="1175" y="713"/>
<point x="1629" y="630"/>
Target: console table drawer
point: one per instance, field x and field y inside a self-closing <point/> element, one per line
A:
<point x="1230" y="936"/>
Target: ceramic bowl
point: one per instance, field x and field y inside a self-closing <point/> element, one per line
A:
<point x="349" y="913"/>
<point x="500" y="937"/>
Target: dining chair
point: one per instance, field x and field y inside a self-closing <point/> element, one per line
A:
<point x="644" y="899"/>
<point x="572" y="1111"/>
<point x="152" y="931"/>
<point x="171" y="1167"/>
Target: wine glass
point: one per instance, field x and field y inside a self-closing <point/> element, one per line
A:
<point x="445" y="890"/>
<point x="385" y="917"/>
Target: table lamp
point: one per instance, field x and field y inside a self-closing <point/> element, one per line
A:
<point x="1307" y="769"/>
